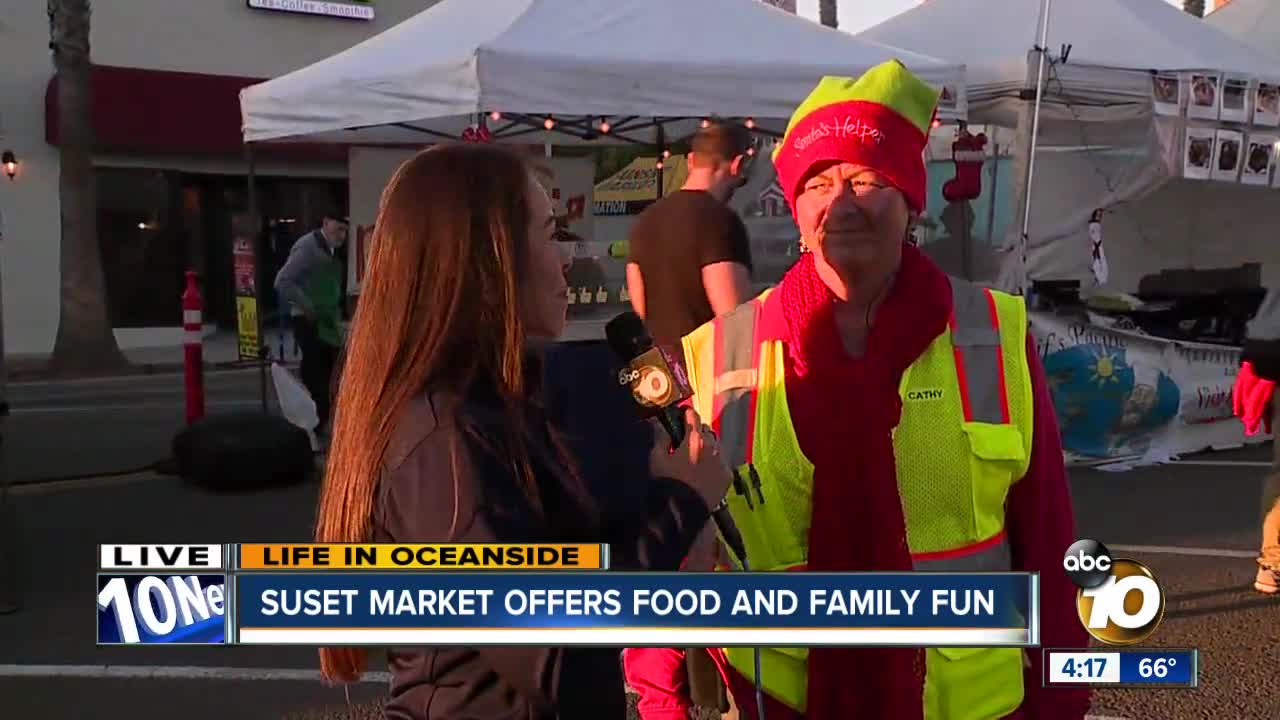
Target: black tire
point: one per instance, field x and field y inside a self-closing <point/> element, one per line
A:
<point x="244" y="451"/>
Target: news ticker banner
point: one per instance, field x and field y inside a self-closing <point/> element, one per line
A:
<point x="386" y="595"/>
<point x="1168" y="668"/>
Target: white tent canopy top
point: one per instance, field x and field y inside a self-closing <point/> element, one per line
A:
<point x="995" y="39"/>
<point x="1256" y="23"/>
<point x="433" y="74"/>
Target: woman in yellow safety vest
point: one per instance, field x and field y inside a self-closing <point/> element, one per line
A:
<point x="885" y="417"/>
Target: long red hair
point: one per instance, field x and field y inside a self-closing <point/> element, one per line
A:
<point x="437" y="309"/>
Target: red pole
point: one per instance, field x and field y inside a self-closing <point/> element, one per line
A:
<point x="193" y="349"/>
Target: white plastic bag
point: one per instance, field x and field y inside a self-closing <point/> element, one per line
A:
<point x="295" y="402"/>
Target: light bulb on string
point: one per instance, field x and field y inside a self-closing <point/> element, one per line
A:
<point x="751" y="151"/>
<point x="937" y="123"/>
<point x="604" y="126"/>
<point x="549" y="123"/>
<point x="495" y="116"/>
<point x="705" y="123"/>
<point x="666" y="153"/>
<point x="658" y="165"/>
<point x="750" y="123"/>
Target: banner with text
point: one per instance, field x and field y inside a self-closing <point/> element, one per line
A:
<point x="637" y="609"/>
<point x="1124" y="395"/>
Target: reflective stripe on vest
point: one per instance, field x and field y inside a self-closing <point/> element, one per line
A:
<point x="962" y="682"/>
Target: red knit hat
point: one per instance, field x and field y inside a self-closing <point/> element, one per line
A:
<point x="880" y="120"/>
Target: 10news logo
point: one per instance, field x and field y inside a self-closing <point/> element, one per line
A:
<point x="1119" y="600"/>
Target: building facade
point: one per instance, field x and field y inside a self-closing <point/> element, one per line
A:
<point x="170" y="169"/>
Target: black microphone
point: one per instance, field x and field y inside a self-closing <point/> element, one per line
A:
<point x="659" y="384"/>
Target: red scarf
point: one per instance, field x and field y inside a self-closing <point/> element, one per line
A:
<point x="844" y="410"/>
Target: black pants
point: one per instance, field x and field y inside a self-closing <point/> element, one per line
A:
<point x="318" y="359"/>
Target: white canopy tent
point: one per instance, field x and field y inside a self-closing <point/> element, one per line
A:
<point x="1254" y="22"/>
<point x="1100" y="144"/>
<point x="630" y="60"/>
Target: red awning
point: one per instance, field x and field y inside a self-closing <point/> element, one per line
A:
<point x="136" y="110"/>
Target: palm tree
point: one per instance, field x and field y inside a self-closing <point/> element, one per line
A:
<point x="1195" y="7"/>
<point x="85" y="339"/>
<point x="827" y="13"/>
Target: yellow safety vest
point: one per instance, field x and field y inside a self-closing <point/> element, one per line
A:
<point x="963" y="440"/>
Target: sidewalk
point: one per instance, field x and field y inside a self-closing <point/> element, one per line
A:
<point x="222" y="350"/>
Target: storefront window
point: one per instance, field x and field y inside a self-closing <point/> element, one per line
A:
<point x="153" y="225"/>
<point x="142" y="246"/>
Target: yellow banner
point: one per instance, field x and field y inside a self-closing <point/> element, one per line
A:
<point x="247" y="322"/>
<point x="450" y="556"/>
<point x="639" y="180"/>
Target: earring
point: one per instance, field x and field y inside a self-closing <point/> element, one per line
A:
<point x="804" y="245"/>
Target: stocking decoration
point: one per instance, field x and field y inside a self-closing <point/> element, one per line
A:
<point x="478" y="133"/>
<point x="967" y="153"/>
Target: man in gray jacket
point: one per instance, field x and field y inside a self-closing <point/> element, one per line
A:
<point x="311" y="283"/>
<point x="1253" y="402"/>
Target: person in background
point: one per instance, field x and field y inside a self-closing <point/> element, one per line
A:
<point x="900" y="420"/>
<point x="690" y="260"/>
<point x="441" y="433"/>
<point x="690" y="257"/>
<point x="311" y="282"/>
<point x="1254" y="403"/>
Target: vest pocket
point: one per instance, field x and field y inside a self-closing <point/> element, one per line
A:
<point x="990" y="441"/>
<point x="973" y="683"/>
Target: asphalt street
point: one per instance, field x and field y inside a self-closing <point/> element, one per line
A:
<point x="64" y="429"/>
<point x="1195" y="525"/>
<point x="108" y="425"/>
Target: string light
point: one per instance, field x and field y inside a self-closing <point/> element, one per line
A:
<point x="750" y="123"/>
<point x="666" y="153"/>
<point x="549" y="122"/>
<point x="705" y="123"/>
<point x="495" y="116"/>
<point x="937" y="123"/>
<point x="604" y="126"/>
<point x="751" y="151"/>
<point x="658" y="165"/>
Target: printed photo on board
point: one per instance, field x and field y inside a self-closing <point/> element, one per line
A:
<point x="1204" y="97"/>
<point x="1266" y="104"/>
<point x="1166" y="93"/>
<point x="1258" y="160"/>
<point x="1199" y="153"/>
<point x="1226" y="165"/>
<point x="1235" y="92"/>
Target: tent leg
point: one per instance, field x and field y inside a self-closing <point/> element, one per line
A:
<point x="995" y="183"/>
<point x="256" y="228"/>
<point x="662" y="145"/>
<point x="1041" y="47"/>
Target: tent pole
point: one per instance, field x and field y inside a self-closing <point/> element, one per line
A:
<point x="255" y="227"/>
<point x="995" y="182"/>
<point x="1042" y="47"/>
<point x="662" y="145"/>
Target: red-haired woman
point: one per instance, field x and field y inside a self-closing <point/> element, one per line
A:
<point x="439" y="436"/>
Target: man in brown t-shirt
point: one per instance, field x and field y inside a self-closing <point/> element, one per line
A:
<point x="690" y="255"/>
<point x="690" y="261"/>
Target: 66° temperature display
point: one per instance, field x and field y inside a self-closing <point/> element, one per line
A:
<point x="1122" y="667"/>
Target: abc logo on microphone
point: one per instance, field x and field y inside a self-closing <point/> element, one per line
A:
<point x="1119" y="600"/>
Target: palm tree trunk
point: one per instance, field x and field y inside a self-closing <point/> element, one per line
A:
<point x="85" y="339"/>
<point x="827" y="13"/>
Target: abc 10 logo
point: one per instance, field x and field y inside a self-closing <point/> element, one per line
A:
<point x="1119" y="600"/>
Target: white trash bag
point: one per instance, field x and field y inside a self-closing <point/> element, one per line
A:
<point x="295" y="402"/>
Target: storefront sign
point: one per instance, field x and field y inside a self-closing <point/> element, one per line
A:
<point x="354" y="10"/>
<point x="244" y="266"/>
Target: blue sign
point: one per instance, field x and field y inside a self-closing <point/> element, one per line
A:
<point x="998" y="607"/>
